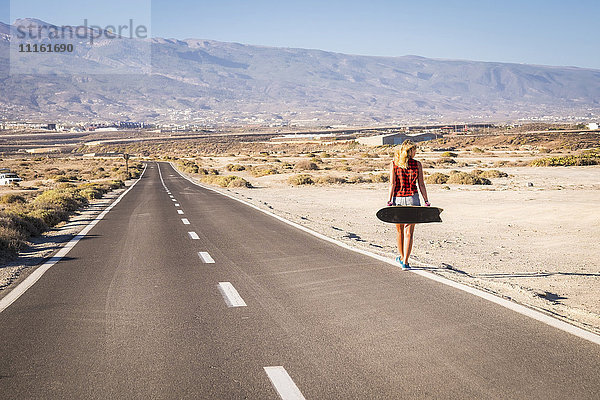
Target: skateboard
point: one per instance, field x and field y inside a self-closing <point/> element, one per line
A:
<point x="409" y="214"/>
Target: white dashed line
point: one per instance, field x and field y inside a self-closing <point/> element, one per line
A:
<point x="231" y="296"/>
<point x="176" y="204"/>
<point x="185" y="221"/>
<point x="283" y="383"/>
<point x="173" y="200"/>
<point x="193" y="235"/>
<point x="205" y="257"/>
<point x="179" y="211"/>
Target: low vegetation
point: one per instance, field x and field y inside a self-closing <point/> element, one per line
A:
<point x="21" y="219"/>
<point x="51" y="191"/>
<point x="590" y="157"/>
<point x="477" y="177"/>
<point x="228" y="181"/>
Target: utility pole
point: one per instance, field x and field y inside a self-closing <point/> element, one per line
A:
<point x="126" y="157"/>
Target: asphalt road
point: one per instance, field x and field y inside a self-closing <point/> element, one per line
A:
<point x="135" y="312"/>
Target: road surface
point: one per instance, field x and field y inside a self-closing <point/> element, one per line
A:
<point x="182" y="293"/>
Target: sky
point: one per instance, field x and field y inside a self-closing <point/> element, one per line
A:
<point x="543" y="32"/>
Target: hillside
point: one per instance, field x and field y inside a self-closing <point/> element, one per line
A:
<point x="205" y="80"/>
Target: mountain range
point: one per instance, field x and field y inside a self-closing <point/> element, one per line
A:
<point x="206" y="81"/>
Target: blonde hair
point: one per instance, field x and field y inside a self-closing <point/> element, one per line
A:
<point x="404" y="153"/>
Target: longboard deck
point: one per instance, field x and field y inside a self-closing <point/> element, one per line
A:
<point x="409" y="214"/>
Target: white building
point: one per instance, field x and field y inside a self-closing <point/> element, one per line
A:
<point x="592" y="126"/>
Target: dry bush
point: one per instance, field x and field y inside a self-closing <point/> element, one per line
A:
<point x="342" y="168"/>
<point x="306" y="165"/>
<point x="300" y="179"/>
<point x="448" y="154"/>
<point x="234" y="167"/>
<point x="437" y="178"/>
<point x="490" y="173"/>
<point x="259" y="171"/>
<point x="226" y="181"/>
<point x="357" y="179"/>
<point x="12" y="198"/>
<point x="20" y="220"/>
<point x="330" y="179"/>
<point x="380" y="178"/>
<point x="463" y="178"/>
<point x="11" y="242"/>
<point x="445" y="161"/>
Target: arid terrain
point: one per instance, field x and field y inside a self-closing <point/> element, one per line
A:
<point x="525" y="232"/>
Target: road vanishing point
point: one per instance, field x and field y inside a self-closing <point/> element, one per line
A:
<point x="179" y="292"/>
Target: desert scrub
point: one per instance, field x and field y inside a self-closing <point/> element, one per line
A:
<point x="463" y="178"/>
<point x="437" y="178"/>
<point x="257" y="172"/>
<point x="225" y="181"/>
<point x="300" y="179"/>
<point x="448" y="154"/>
<point x="235" y="167"/>
<point x="12" y="198"/>
<point x="489" y="173"/>
<point x="446" y="160"/>
<point x="590" y="157"/>
<point x="188" y="166"/>
<point x="21" y="220"/>
<point x="379" y="178"/>
<point x="330" y="180"/>
<point x="307" y="165"/>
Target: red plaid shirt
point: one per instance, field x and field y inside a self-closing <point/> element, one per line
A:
<point x="405" y="179"/>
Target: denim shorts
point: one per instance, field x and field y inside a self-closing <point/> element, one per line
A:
<point x="407" y="200"/>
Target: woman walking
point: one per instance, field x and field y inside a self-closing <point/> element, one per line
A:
<point x="405" y="174"/>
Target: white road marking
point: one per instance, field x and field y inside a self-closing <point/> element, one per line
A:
<point x="205" y="257"/>
<point x="231" y="296"/>
<point x="185" y="221"/>
<point x="179" y="211"/>
<point x="176" y="204"/>
<point x="161" y="178"/>
<point x="18" y="291"/>
<point x="173" y="200"/>
<point x="193" y="235"/>
<point x="283" y="383"/>
<point x="537" y="315"/>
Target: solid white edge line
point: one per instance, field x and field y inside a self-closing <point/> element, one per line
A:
<point x="231" y="296"/>
<point x="521" y="309"/>
<point x="21" y="288"/>
<point x="205" y="257"/>
<point x="185" y="221"/>
<point x="194" y="235"/>
<point x="283" y="383"/>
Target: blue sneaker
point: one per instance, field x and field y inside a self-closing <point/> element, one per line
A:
<point x="405" y="266"/>
<point x="399" y="261"/>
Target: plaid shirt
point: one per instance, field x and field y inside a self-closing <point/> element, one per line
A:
<point x="405" y="179"/>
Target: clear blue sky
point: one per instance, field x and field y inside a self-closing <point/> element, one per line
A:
<point x="548" y="32"/>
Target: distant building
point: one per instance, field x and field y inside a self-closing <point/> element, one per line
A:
<point x="395" y="138"/>
<point x="592" y="126"/>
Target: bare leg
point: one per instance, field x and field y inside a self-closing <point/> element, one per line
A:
<point x="409" y="229"/>
<point x="400" y="239"/>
